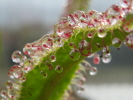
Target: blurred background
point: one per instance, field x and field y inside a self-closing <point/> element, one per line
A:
<point x="23" y="21"/>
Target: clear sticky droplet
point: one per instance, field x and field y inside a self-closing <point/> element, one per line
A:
<point x="106" y="57"/>
<point x="125" y="3"/>
<point x="74" y="54"/>
<point x="90" y="35"/>
<point x="28" y="65"/>
<point x="9" y="85"/>
<point x="52" y="58"/>
<point x="58" y="42"/>
<point x="22" y="79"/>
<point x="17" y="57"/>
<point x="71" y="19"/>
<point x="17" y="71"/>
<point x="116" y="42"/>
<point x="47" y="42"/>
<point x="44" y="74"/>
<point x="27" y="49"/>
<point x="58" y="69"/>
<point x="93" y="71"/>
<point x="4" y="94"/>
<point x="102" y="33"/>
<point x="11" y="94"/>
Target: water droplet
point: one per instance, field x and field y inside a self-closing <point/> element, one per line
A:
<point x="129" y="41"/>
<point x="27" y="49"/>
<point x="90" y="35"/>
<point x="28" y="65"/>
<point x="93" y="71"/>
<point x="72" y="45"/>
<point x="44" y="74"/>
<point x="36" y="46"/>
<point x="96" y="59"/>
<point x="17" y="57"/>
<point x="4" y="94"/>
<point x="52" y="58"/>
<point x="48" y="65"/>
<point x="102" y="33"/>
<point x="58" y="69"/>
<point x="116" y="42"/>
<point x="74" y="54"/>
<point x="106" y="57"/>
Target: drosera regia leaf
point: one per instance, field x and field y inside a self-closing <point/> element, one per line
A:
<point x="55" y="58"/>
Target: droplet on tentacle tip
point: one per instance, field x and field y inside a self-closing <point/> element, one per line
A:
<point x="90" y="35"/>
<point x="102" y="33"/>
<point x="72" y="45"/>
<point x="58" y="42"/>
<point x="44" y="74"/>
<point x="106" y="57"/>
<point x="58" y="69"/>
<point x="85" y="48"/>
<point x="48" y="65"/>
<point x="74" y="54"/>
<point x="28" y="65"/>
<point x="125" y="3"/>
<point x="27" y="49"/>
<point x="16" y="71"/>
<point x="9" y="85"/>
<point x="93" y="71"/>
<point x="52" y="58"/>
<point x="12" y="94"/>
<point x="71" y="19"/>
<point x="96" y="59"/>
<point x="129" y="41"/>
<point x="17" y="57"/>
<point x="4" y="94"/>
<point x="116" y="42"/>
<point x="22" y="79"/>
<point x="47" y="42"/>
<point x="80" y="89"/>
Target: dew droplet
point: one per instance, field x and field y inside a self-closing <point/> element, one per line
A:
<point x="52" y="58"/>
<point x="71" y="19"/>
<point x="116" y="42"/>
<point x="106" y="57"/>
<point x="44" y="74"/>
<point x="17" y="57"/>
<point x="102" y="33"/>
<point x="4" y="94"/>
<point x="58" y="69"/>
<point x="28" y="65"/>
<point x="48" y="65"/>
<point x="96" y="59"/>
<point x="90" y="35"/>
<point x="74" y="54"/>
<point x="129" y="41"/>
<point x="93" y="71"/>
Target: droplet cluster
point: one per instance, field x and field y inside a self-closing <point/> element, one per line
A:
<point x="63" y="31"/>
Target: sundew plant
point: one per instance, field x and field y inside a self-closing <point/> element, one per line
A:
<point x="49" y="68"/>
